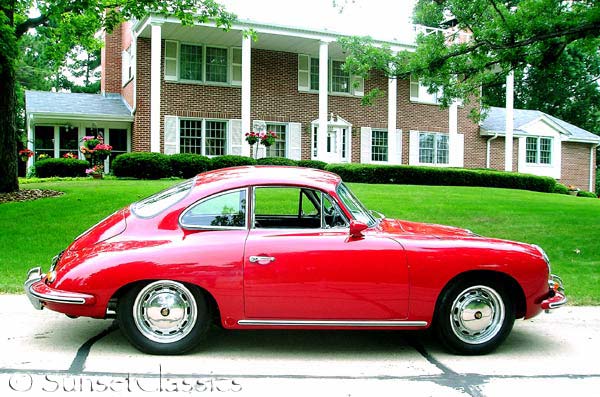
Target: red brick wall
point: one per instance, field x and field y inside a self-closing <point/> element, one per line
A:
<point x="111" y="62"/>
<point x="576" y="165"/>
<point x="140" y="135"/>
<point x="497" y="153"/>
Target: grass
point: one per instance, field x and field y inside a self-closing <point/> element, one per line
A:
<point x="565" y="226"/>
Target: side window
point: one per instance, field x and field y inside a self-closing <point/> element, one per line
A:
<point x="332" y="215"/>
<point x="224" y="210"/>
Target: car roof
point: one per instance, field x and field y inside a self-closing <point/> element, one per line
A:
<point x="230" y="178"/>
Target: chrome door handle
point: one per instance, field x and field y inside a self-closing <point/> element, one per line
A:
<point x="261" y="260"/>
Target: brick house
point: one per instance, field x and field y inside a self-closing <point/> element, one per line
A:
<point x="198" y="89"/>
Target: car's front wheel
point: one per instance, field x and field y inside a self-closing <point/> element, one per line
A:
<point x="163" y="317"/>
<point x="474" y="317"/>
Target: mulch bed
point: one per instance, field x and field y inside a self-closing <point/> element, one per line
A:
<point x="28" y="195"/>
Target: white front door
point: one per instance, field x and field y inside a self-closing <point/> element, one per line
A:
<point x="337" y="148"/>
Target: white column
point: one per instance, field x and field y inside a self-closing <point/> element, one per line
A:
<point x="508" y="148"/>
<point x="31" y="140"/>
<point x="155" y="79"/>
<point x="246" y="91"/>
<point x="323" y="96"/>
<point x="392" y="109"/>
<point x="453" y="134"/>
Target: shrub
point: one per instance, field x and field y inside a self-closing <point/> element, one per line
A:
<point x="312" y="164"/>
<point x="276" y="161"/>
<point x="561" y="189"/>
<point x="142" y="165"/>
<point x="409" y="175"/>
<point x="230" y="161"/>
<point x="583" y="193"/>
<point x="60" y="167"/>
<point x="187" y="165"/>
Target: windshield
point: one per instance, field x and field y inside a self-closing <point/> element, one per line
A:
<point x="160" y="201"/>
<point x="356" y="208"/>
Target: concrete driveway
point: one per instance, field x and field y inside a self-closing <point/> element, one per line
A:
<point x="46" y="353"/>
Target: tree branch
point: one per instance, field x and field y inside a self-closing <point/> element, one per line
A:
<point x="22" y="28"/>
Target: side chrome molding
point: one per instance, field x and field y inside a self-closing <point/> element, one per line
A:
<point x="334" y="323"/>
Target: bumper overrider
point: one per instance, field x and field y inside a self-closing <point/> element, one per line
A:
<point x="39" y="293"/>
<point x="556" y="296"/>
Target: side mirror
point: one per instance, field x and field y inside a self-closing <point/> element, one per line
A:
<point x="356" y="228"/>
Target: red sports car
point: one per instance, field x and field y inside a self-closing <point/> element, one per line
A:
<point x="286" y="247"/>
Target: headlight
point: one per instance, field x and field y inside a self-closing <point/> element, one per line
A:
<point x="51" y="276"/>
<point x="543" y="253"/>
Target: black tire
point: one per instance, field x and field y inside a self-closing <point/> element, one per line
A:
<point x="474" y="317"/>
<point x="183" y="305"/>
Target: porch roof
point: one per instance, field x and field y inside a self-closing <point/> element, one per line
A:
<point x="494" y="123"/>
<point x="77" y="106"/>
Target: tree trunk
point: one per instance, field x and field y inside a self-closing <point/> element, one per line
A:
<point x="9" y="181"/>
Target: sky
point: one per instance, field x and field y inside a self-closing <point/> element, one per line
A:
<point x="380" y="19"/>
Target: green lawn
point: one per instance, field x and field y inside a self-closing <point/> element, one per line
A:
<point x="566" y="227"/>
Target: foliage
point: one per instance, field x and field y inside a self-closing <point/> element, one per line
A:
<point x="312" y="164"/>
<point x="60" y="168"/>
<point x="560" y="189"/>
<point x="187" y="165"/>
<point x="502" y="36"/>
<point x="276" y="161"/>
<point x="66" y="24"/>
<point x="230" y="161"/>
<point x="142" y="165"/>
<point x="410" y="175"/>
<point x="566" y="88"/>
<point x="584" y="193"/>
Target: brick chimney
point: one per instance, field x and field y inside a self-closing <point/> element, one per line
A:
<point x="111" y="63"/>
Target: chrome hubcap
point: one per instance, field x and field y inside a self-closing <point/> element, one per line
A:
<point x="477" y="314"/>
<point x="165" y="311"/>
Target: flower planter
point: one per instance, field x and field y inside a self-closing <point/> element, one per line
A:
<point x="97" y="176"/>
<point x="573" y="192"/>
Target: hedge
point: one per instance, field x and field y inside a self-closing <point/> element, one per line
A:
<point x="312" y="164"/>
<point x="584" y="193"/>
<point x="187" y="165"/>
<point x="142" y="165"/>
<point x="276" y="161"/>
<point x="230" y="161"/>
<point x="409" y="175"/>
<point x="60" y="167"/>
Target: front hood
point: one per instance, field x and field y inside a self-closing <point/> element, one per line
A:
<point x="396" y="226"/>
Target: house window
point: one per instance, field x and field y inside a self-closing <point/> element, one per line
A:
<point x="117" y="138"/>
<point x="314" y="73"/>
<point x="44" y="141"/>
<point x="127" y="62"/>
<point x="216" y="138"/>
<point x="419" y="92"/>
<point x="538" y="150"/>
<point x="68" y="141"/>
<point x="190" y="136"/>
<point x="190" y="62"/>
<point x="216" y="65"/>
<point x="379" y="145"/>
<point x="433" y="148"/>
<point x="277" y="149"/>
<point x="315" y="142"/>
<point x="340" y="80"/>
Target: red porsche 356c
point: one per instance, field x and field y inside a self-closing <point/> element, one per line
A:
<point x="284" y="247"/>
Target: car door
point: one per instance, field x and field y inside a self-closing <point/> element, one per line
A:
<point x="303" y="270"/>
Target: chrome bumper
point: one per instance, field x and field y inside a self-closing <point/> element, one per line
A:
<point x="557" y="296"/>
<point x="38" y="292"/>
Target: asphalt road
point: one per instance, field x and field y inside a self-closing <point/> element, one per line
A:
<point x="45" y="353"/>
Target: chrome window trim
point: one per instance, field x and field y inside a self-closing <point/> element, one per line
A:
<point x="196" y="227"/>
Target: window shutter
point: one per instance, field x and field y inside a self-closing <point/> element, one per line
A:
<point x="125" y="61"/>
<point x="171" y="59"/>
<point x="236" y="138"/>
<point x="358" y="85"/>
<point x="398" y="155"/>
<point x="414" y="88"/>
<point x="171" y="135"/>
<point x="303" y="72"/>
<point x="365" y="144"/>
<point x="295" y="141"/>
<point x="413" y="148"/>
<point x="236" y="66"/>
<point x="459" y="150"/>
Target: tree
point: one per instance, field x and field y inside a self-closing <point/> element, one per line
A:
<point x="503" y="36"/>
<point x="71" y="22"/>
<point x="566" y="88"/>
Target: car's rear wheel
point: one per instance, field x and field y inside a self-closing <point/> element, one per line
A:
<point x="163" y="317"/>
<point x="474" y="317"/>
